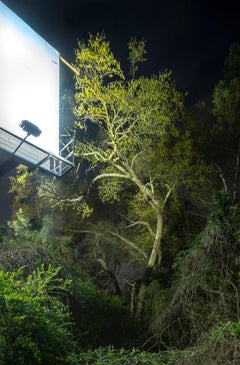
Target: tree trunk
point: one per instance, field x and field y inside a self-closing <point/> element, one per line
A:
<point x="112" y="276"/>
<point x="156" y="248"/>
<point x="147" y="191"/>
<point x="155" y="253"/>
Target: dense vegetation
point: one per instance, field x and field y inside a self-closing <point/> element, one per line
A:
<point x="133" y="257"/>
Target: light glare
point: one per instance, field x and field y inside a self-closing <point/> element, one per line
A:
<point x="29" y="81"/>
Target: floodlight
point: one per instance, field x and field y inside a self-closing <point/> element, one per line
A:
<point x="30" y="128"/>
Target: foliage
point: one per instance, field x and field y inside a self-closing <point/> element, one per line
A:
<point x="137" y="52"/>
<point x="25" y="187"/>
<point x="220" y="345"/>
<point x="206" y="288"/>
<point x="26" y="245"/>
<point x="227" y="93"/>
<point x="154" y="301"/>
<point x="112" y="356"/>
<point x="95" y="315"/>
<point x="34" y="326"/>
<point x="215" y="129"/>
<point x="38" y="195"/>
<point x="232" y="62"/>
<point x="225" y="330"/>
<point x="102" y="320"/>
<point x="226" y="98"/>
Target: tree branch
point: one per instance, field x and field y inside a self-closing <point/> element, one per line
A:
<point x="123" y="239"/>
<point x="135" y="157"/>
<point x="72" y="200"/>
<point x="143" y="223"/>
<point x="102" y="176"/>
<point x="168" y="194"/>
<point x="130" y="244"/>
<point x="220" y="172"/>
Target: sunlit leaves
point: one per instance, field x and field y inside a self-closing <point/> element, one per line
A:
<point x="130" y="114"/>
<point x="95" y="60"/>
<point x="137" y="52"/>
<point x="25" y="186"/>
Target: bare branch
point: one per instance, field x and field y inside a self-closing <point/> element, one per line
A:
<point x="135" y="157"/>
<point x="102" y="176"/>
<point x="73" y="200"/>
<point x="221" y="175"/>
<point x="143" y="223"/>
<point x="169" y="192"/>
<point x="129" y="243"/>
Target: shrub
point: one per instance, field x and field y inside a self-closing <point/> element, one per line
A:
<point x="34" y="323"/>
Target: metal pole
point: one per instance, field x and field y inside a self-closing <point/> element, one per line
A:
<point x="24" y="139"/>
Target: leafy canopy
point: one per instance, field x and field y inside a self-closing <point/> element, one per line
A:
<point x="132" y="117"/>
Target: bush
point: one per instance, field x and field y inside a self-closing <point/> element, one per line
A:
<point x="34" y="323"/>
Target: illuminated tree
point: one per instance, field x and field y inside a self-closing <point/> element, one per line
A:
<point x="133" y="141"/>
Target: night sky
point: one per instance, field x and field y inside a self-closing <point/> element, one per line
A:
<point x="191" y="38"/>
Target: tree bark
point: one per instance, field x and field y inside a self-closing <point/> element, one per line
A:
<point x="156" y="248"/>
<point x="155" y="253"/>
<point x="147" y="191"/>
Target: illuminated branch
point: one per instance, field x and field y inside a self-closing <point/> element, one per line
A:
<point x="135" y="157"/>
<point x="128" y="243"/>
<point x="168" y="193"/>
<point x="143" y="223"/>
<point x="73" y="200"/>
<point x="102" y="176"/>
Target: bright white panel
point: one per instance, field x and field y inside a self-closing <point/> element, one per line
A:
<point x="29" y="81"/>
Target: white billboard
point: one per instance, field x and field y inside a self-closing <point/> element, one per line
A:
<point x="29" y="81"/>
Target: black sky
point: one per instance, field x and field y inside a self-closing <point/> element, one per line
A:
<point x="191" y="38"/>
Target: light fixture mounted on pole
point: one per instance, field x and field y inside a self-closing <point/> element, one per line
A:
<point x="32" y="130"/>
